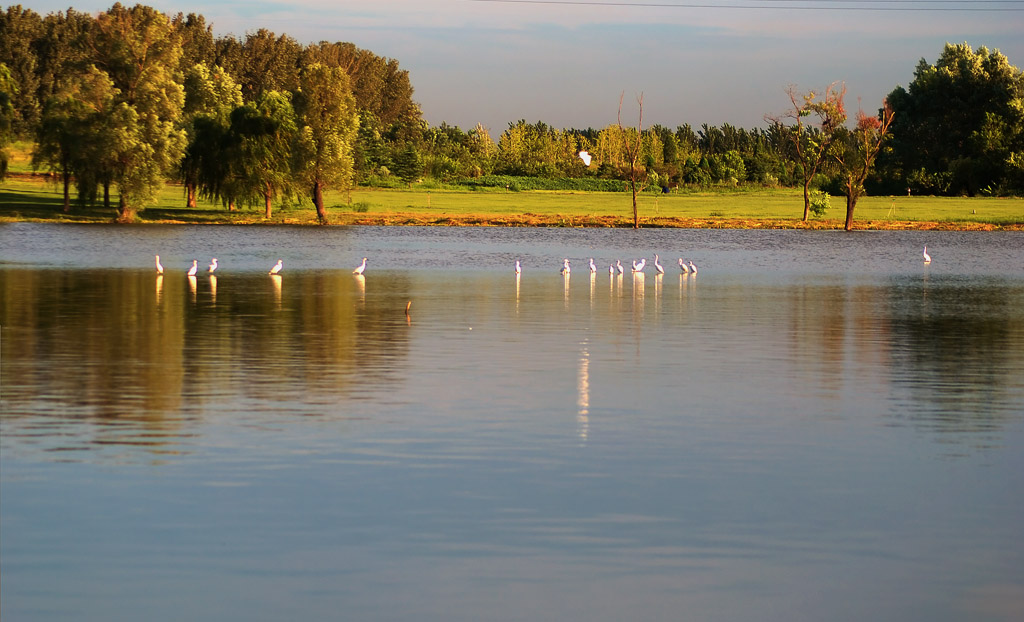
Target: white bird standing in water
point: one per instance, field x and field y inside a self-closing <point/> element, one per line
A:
<point x="593" y="268"/>
<point x="565" y="266"/>
<point x="213" y="265"/>
<point x="693" y="268"/>
<point x="195" y="268"/>
<point x="277" y="267"/>
<point x="611" y="268"/>
<point x="683" y="267"/>
<point x="519" y="269"/>
<point x="618" y="266"/>
<point x="657" y="266"/>
<point x="159" y="266"/>
<point x="927" y="257"/>
<point x="359" y="269"/>
<point x="639" y="267"/>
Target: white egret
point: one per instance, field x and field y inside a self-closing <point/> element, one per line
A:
<point x="159" y="266"/>
<point x="927" y="257"/>
<point x="593" y="268"/>
<point x="618" y="266"/>
<point x="277" y="267"/>
<point x="585" y="157"/>
<point x="519" y="268"/>
<point x="683" y="267"/>
<point x="693" y="268"/>
<point x="565" y="267"/>
<point x="360" y="268"/>
<point x="213" y="265"/>
<point x="657" y="266"/>
<point x="195" y="268"/>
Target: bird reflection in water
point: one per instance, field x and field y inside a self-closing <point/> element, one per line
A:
<point x="583" y="396"/>
<point x="213" y="290"/>
<point x="192" y="288"/>
<point x="275" y="282"/>
<point x="159" y="288"/>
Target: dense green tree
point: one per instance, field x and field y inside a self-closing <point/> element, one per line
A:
<point x="198" y="45"/>
<point x="261" y="138"/>
<point x="327" y="120"/>
<point x="959" y="126"/>
<point x="138" y="49"/>
<point x="20" y="28"/>
<point x="8" y="90"/>
<point x="210" y="96"/>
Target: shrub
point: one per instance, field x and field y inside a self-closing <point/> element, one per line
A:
<point x="820" y="202"/>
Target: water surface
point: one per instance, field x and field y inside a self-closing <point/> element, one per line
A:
<point x="815" y="427"/>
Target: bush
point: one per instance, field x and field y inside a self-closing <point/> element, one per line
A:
<point x="820" y="202"/>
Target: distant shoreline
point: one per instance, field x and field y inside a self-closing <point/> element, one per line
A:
<point x="607" y="222"/>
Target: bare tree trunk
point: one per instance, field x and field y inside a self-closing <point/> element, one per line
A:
<point x="125" y="213"/>
<point x="851" y="202"/>
<point x="807" y="198"/>
<point x="106" y="195"/>
<point x="191" y="191"/>
<point x="267" y="200"/>
<point x="67" y="190"/>
<point x="318" y="201"/>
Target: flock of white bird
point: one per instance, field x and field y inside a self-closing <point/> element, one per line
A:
<point x="685" y="267"/>
<point x="276" y="269"/>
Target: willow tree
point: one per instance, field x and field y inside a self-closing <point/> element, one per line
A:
<point x="327" y="124"/>
<point x="138" y="49"/>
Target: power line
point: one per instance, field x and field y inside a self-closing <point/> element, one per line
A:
<point x="824" y="5"/>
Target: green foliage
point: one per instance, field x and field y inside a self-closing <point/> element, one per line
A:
<point x="959" y="126"/>
<point x="820" y="202"/>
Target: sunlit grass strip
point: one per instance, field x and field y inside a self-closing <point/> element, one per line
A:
<point x="24" y="198"/>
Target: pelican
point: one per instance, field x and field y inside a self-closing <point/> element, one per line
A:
<point x="593" y="268"/>
<point x="693" y="268"/>
<point x="519" y="269"/>
<point x="359" y="269"/>
<point x="195" y="268"/>
<point x="639" y="267"/>
<point x="618" y="266"/>
<point x="159" y="266"/>
<point x="585" y="157"/>
<point x="277" y="267"/>
<point x="927" y="257"/>
<point x="565" y="267"/>
<point x="611" y="268"/>
<point x="213" y="265"/>
<point x="657" y="266"/>
<point x="683" y="267"/>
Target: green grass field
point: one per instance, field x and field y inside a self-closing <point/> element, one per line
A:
<point x="27" y="197"/>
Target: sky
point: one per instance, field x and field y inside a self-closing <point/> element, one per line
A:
<point x="567" y="63"/>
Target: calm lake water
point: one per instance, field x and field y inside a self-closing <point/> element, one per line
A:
<point x="817" y="426"/>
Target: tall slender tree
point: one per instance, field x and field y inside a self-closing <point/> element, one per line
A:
<point x="855" y="151"/>
<point x="632" y="144"/>
<point x="812" y="140"/>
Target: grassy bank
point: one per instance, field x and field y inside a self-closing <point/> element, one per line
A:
<point x="32" y="198"/>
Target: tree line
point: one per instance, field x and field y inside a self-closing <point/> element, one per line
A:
<point x="131" y="98"/>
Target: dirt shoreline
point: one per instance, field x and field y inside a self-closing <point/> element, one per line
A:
<point x="534" y="220"/>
